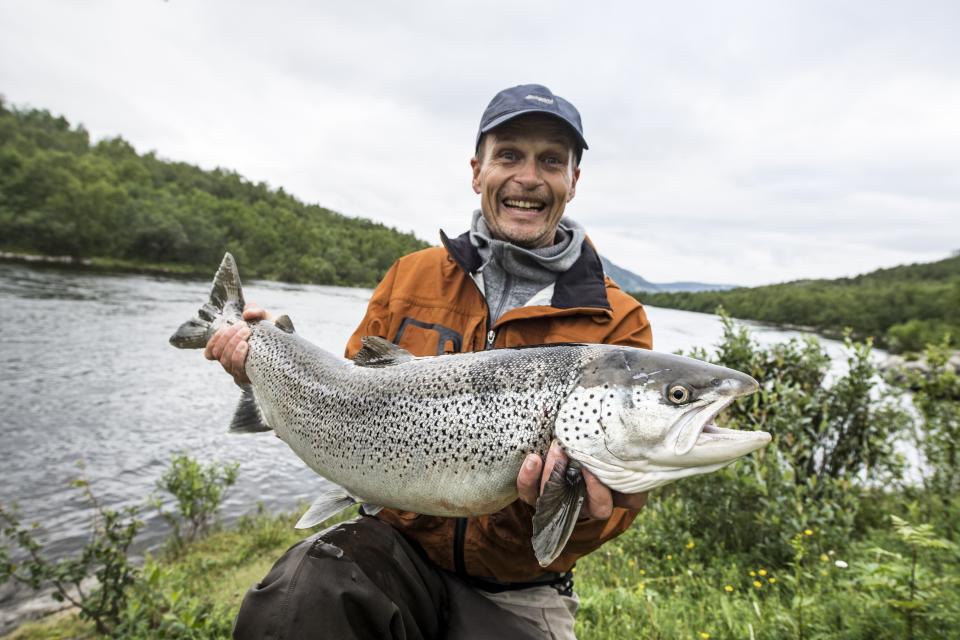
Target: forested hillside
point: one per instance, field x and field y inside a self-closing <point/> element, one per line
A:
<point x="60" y="194"/>
<point x="902" y="308"/>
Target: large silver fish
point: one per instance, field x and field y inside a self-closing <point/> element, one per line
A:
<point x="447" y="435"/>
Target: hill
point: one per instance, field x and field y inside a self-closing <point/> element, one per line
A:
<point x="630" y="281"/>
<point x="61" y="194"/>
<point x="901" y="308"/>
<point x="627" y="280"/>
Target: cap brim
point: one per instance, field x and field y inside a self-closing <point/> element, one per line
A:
<point x="496" y="122"/>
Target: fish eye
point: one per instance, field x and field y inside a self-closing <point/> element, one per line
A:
<point x="678" y="394"/>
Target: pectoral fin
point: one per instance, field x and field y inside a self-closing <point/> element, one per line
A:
<point x="557" y="510"/>
<point x="329" y="503"/>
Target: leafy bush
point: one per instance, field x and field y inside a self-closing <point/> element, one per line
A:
<point x="164" y="604"/>
<point x="937" y="399"/>
<point x="830" y="441"/>
<point x="104" y="557"/>
<point x="198" y="490"/>
<point x="915" y="334"/>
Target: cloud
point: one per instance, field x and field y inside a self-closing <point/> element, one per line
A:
<point x="739" y="142"/>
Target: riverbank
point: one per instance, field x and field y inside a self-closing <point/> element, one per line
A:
<point x="106" y="265"/>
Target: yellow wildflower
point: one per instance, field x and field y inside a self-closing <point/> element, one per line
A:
<point x="824" y="557"/>
<point x="762" y="572"/>
<point x="728" y="588"/>
<point x="631" y="563"/>
<point x="808" y="532"/>
<point x="704" y="635"/>
<point x="669" y="557"/>
<point x="643" y="572"/>
<point x="757" y="584"/>
<point x="753" y="574"/>
<point x="691" y="544"/>
<point x="772" y="580"/>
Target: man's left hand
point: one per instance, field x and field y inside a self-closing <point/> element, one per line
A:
<point x="600" y="499"/>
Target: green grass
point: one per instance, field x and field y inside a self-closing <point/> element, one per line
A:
<point x="623" y="595"/>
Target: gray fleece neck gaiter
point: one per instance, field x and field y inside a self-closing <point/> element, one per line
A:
<point x="513" y="274"/>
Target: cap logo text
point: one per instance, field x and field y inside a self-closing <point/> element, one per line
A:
<point x="539" y="99"/>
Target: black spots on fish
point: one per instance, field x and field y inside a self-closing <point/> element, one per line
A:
<point x="421" y="421"/>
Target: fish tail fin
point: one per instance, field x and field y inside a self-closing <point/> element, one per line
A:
<point x="225" y="306"/>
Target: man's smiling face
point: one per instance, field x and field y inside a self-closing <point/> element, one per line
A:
<point x="526" y="173"/>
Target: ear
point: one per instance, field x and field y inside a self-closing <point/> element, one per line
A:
<point x="475" y="165"/>
<point x="573" y="184"/>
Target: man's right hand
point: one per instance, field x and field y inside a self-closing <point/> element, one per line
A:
<point x="229" y="343"/>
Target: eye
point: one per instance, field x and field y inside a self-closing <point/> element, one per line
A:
<point x="678" y="394"/>
<point x="508" y="155"/>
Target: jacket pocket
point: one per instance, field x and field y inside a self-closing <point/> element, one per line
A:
<point x="427" y="338"/>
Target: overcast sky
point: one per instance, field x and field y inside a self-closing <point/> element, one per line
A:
<point x="733" y="142"/>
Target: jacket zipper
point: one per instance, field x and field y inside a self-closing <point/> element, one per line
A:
<point x="507" y="282"/>
<point x="460" y="528"/>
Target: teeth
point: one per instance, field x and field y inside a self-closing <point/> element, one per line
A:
<point x="522" y="204"/>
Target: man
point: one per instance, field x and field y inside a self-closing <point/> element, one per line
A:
<point x="522" y="275"/>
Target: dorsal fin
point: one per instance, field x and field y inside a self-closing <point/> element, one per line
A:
<point x="284" y="323"/>
<point x="378" y="352"/>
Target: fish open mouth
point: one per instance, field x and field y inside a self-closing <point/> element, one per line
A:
<point x="698" y="436"/>
<point x="701" y="441"/>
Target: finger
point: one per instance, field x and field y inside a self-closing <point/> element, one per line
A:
<point x="630" y="500"/>
<point x="599" y="497"/>
<point x="215" y="344"/>
<point x="528" y="479"/>
<point x="226" y="355"/>
<point x="237" y="364"/>
<point x="554" y="455"/>
<point x="253" y="311"/>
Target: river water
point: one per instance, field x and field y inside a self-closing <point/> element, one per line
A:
<point x="87" y="375"/>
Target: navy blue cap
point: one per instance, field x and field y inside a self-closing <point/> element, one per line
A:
<point x="530" y="98"/>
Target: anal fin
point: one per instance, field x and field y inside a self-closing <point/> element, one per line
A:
<point x="557" y="510"/>
<point x="332" y="501"/>
<point x="247" y="418"/>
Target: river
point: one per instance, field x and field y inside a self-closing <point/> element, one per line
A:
<point x="87" y="375"/>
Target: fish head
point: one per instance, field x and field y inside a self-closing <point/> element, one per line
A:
<point x="639" y="419"/>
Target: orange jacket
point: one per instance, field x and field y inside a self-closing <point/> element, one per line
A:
<point x="428" y="304"/>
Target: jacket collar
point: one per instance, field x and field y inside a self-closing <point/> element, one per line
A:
<point x="582" y="285"/>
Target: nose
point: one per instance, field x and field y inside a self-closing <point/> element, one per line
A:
<point x="528" y="175"/>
